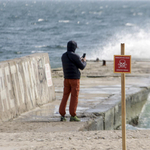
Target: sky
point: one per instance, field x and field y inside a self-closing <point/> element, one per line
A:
<point x="73" y="0"/>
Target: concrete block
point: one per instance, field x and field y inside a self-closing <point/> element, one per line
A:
<point x="17" y="82"/>
<point x="110" y="109"/>
<point x="115" y="100"/>
<point x="44" y="79"/>
<point x="93" y="124"/>
<point x="106" y="111"/>
<point x="7" y="98"/>
<point x="26" y="83"/>
<point x="117" y="115"/>
<point x="109" y="119"/>
<point x="96" y="124"/>
<point x="135" y="103"/>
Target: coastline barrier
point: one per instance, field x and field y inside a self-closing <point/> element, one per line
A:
<point x="108" y="114"/>
<point x="25" y="83"/>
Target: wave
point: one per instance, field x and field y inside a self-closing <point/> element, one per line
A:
<point x="40" y="20"/>
<point x="95" y="13"/>
<point x="130" y="127"/>
<point x="41" y="46"/>
<point x="37" y="51"/>
<point x="64" y="21"/>
<point x="51" y="46"/>
<point x="130" y="24"/>
<point x="136" y="44"/>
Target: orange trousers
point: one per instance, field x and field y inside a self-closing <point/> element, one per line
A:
<point x="70" y="86"/>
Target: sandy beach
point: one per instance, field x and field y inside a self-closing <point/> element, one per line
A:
<point x="56" y="135"/>
<point x="29" y="137"/>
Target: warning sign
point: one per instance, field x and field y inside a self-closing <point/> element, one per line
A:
<point x="122" y="63"/>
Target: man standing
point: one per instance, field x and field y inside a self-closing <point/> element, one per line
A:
<point x="71" y="63"/>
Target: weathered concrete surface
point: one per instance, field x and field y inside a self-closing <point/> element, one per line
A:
<point x="99" y="105"/>
<point x="99" y="100"/>
<point x="110" y="109"/>
<point x="105" y="87"/>
<point x="24" y="85"/>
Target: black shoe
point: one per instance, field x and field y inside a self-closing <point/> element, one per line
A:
<point x="63" y="118"/>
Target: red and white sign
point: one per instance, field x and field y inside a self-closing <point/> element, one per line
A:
<point x="122" y="63"/>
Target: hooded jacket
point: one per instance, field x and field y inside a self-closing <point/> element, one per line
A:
<point x="72" y="62"/>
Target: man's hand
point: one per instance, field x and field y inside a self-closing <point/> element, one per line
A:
<point x="83" y="59"/>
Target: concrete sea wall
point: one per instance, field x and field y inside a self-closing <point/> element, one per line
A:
<point x="25" y="83"/>
<point x="107" y="115"/>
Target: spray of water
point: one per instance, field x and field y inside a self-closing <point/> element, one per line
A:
<point x="137" y="44"/>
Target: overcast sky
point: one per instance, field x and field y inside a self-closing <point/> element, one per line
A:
<point x="75" y="0"/>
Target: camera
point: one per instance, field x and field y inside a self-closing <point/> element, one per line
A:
<point x="84" y="54"/>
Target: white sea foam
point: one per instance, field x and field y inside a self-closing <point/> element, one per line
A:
<point x="130" y="24"/>
<point x="136" y="44"/>
<point x="37" y="51"/>
<point x="130" y="127"/>
<point x="64" y="21"/>
<point x="39" y="20"/>
<point x="40" y="46"/>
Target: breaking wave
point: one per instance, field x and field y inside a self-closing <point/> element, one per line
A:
<point x="136" y="44"/>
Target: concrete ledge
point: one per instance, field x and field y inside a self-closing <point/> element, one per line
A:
<point x="93" y="124"/>
<point x="24" y="84"/>
<point x="108" y="113"/>
<point x="135" y="102"/>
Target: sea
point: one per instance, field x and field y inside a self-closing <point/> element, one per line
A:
<point x="98" y="27"/>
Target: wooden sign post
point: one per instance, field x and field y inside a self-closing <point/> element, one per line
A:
<point x="122" y="64"/>
<point x="123" y="104"/>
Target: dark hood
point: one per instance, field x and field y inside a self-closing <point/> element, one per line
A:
<point x="71" y="46"/>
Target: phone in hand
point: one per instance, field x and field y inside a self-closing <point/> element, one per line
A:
<point x="84" y="54"/>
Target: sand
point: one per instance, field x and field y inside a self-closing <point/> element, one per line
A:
<point x="17" y="135"/>
<point x="27" y="137"/>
